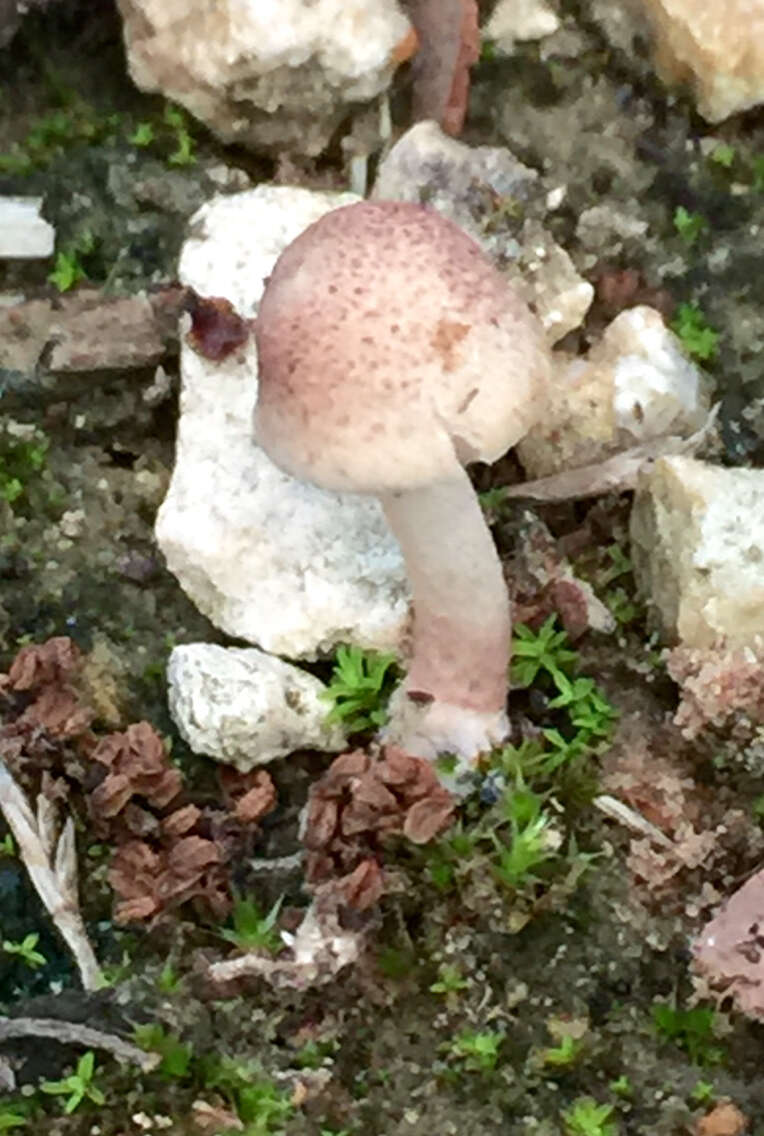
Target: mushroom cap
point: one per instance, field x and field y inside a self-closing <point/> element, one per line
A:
<point x="389" y="348"/>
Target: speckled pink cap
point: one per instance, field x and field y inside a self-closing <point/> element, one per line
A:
<point x="388" y="344"/>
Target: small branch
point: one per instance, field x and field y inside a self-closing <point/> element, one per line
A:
<point x="619" y="811"/>
<point x="71" y="1033"/>
<point x="613" y="475"/>
<point x="51" y="861"/>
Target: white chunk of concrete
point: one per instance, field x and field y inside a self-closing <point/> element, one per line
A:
<point x="24" y="234"/>
<point x="697" y="534"/>
<point x="267" y="559"/>
<point x="245" y="708"/>
<point x="636" y="385"/>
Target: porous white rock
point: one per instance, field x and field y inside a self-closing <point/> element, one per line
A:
<point x="468" y="184"/>
<point x="697" y="534"/>
<point x="24" y="234"/>
<point x="245" y="708"/>
<point x="514" y="21"/>
<point x="274" y="74"/>
<point x="268" y="559"/>
<point x="717" y="47"/>
<point x="635" y="385"/>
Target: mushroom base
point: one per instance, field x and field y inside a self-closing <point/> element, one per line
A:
<point x="436" y="728"/>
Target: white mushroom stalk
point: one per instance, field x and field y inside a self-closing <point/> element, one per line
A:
<point x="391" y="352"/>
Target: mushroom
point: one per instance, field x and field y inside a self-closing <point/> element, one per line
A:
<point x="391" y="353"/>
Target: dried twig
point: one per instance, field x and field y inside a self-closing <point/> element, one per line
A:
<point x="50" y="858"/>
<point x="72" y="1033"/>
<point x="615" y="474"/>
<point x="619" y="811"/>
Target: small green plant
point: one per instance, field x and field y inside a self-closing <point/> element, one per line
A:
<point x="359" y="689"/>
<point x="52" y="134"/>
<point x="688" y="225"/>
<point x="11" y="1117"/>
<point x="7" y="846"/>
<point x="564" y="1054"/>
<point x="622" y="1087"/>
<point x="536" y="651"/>
<point x="78" y="1086"/>
<point x="143" y="135"/>
<point x="254" y="930"/>
<point x="176" y="1055"/>
<point x="692" y="1030"/>
<point x="25" y="950"/>
<point x="69" y="268"/>
<point x="476" y="1052"/>
<point x="703" y="1092"/>
<point x="177" y="120"/>
<point x="757" y="166"/>
<point x="587" y="1118"/>
<point x="21" y="459"/>
<point x="260" y="1105"/>
<point x="450" y="981"/>
<point x="531" y="841"/>
<point x="169" y="981"/>
<point x="723" y="155"/>
<point x="697" y="336"/>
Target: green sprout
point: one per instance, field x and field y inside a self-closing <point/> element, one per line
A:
<point x="254" y="930"/>
<point x="476" y="1052"/>
<point x="7" y="845"/>
<point x="688" y="225"/>
<point x="692" y="1030"/>
<point x="10" y="1119"/>
<point x="450" y="981"/>
<point x="25" y="950"/>
<point x="622" y="1086"/>
<point x="260" y="1105"/>
<point x="564" y="1054"/>
<point x="536" y="651"/>
<point x="531" y="840"/>
<point x="176" y="1055"/>
<point x="697" y="336"/>
<point x="723" y="155"/>
<point x="359" y="688"/>
<point x="69" y="268"/>
<point x="20" y="461"/>
<point x="758" y="174"/>
<point x="78" y="1086"/>
<point x="177" y="120"/>
<point x="143" y="135"/>
<point x="587" y="1118"/>
<point x="703" y="1092"/>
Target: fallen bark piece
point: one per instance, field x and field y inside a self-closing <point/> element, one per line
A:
<point x="72" y="1033"/>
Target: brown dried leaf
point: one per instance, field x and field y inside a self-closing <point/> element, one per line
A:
<point x="428" y="818"/>
<point x="40" y="664"/>
<point x="364" y="887"/>
<point x="111" y="796"/>
<point x="321" y="823"/>
<point x="181" y="821"/>
<point x="136" y="910"/>
<point x="58" y="711"/>
<point x="260" y="799"/>
<point x="192" y="855"/>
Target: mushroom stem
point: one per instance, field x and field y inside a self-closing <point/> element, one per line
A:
<point x="462" y="624"/>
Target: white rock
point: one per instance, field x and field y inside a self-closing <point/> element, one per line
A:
<point x="636" y="385"/>
<point x="697" y="534"/>
<point x="24" y="234"/>
<point x="245" y="708"/>
<point x="266" y="73"/>
<point x="718" y="47"/>
<point x="427" y="165"/>
<point x="518" y="20"/>
<point x="266" y="558"/>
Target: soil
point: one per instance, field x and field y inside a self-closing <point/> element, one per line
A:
<point x="376" y="1051"/>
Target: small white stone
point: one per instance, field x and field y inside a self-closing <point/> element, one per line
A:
<point x="245" y="708"/>
<point x="697" y="535"/>
<point x="515" y="21"/>
<point x="24" y="234"/>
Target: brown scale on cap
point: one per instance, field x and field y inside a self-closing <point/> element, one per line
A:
<point x="391" y="351"/>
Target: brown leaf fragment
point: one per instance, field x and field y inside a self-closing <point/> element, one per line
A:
<point x="211" y="1119"/>
<point x="398" y="767"/>
<point x="428" y="818"/>
<point x="249" y="795"/>
<point x="724" y="1119"/>
<point x="191" y="855"/>
<point x="321" y="823"/>
<point x="39" y="664"/>
<point x="217" y="329"/>
<point x="364" y="887"/>
<point x="181" y="821"/>
<point x="58" y="711"/>
<point x="111" y="796"/>
<point x="136" y="910"/>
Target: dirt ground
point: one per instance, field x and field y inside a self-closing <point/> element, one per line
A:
<point x="559" y="975"/>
